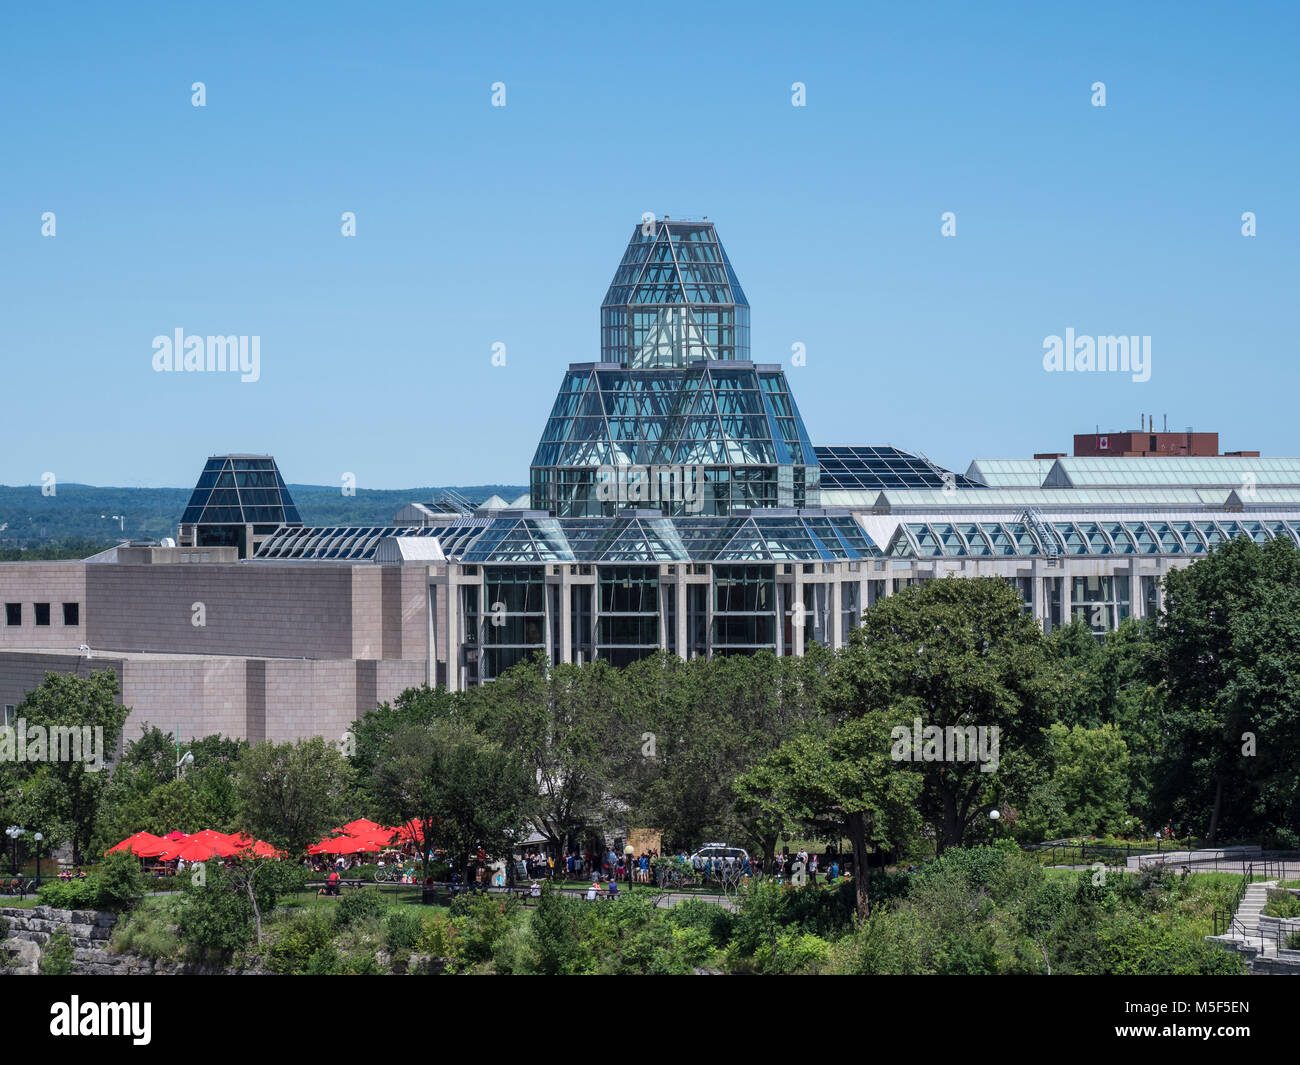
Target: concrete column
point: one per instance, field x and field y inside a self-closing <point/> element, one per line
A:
<point x="834" y="628"/>
<point x="453" y="639"/>
<point x="798" y="619"/>
<point x="1065" y="596"/>
<point x="681" y="611"/>
<point x="566" y="615"/>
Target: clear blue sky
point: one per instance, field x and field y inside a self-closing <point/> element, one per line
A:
<point x="479" y="225"/>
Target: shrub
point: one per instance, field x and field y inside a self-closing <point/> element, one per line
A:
<point x="147" y="931"/>
<point x="402" y="930"/>
<point x="791" y="952"/>
<point x="70" y="894"/>
<point x="437" y="937"/>
<point x="480" y="920"/>
<point x="357" y="905"/>
<point x="56" y="956"/>
<point x="215" y="917"/>
<point x="308" y="934"/>
<point x="121" y="883"/>
<point x="708" y="918"/>
<point x="1282" y="903"/>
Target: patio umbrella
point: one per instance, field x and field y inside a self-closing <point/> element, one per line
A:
<point x="191" y="850"/>
<point x="363" y="828"/>
<point x="224" y="845"/>
<point x="175" y="837"/>
<point x="257" y="847"/>
<point x="141" y="839"/>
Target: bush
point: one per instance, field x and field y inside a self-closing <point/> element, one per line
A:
<point x="402" y="930"/>
<point x="1282" y="903"/>
<point x="121" y="884"/>
<point x="305" y="945"/>
<point x="480" y="920"/>
<point x="71" y="894"/>
<point x="791" y="952"/>
<point x="707" y="918"/>
<point x="56" y="956"/>
<point x="147" y="931"/>
<point x="356" y="905"/>
<point x="216" y="916"/>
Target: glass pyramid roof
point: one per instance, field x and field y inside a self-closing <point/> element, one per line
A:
<point x="674" y="298"/>
<point x="241" y="490"/>
<point x="707" y="414"/>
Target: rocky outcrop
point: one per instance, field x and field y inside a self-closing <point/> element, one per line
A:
<point x="28" y="930"/>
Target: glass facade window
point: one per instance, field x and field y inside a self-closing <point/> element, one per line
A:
<point x="512" y="623"/>
<point x="744" y="608"/>
<point x="628" y="624"/>
<point x="1101" y="603"/>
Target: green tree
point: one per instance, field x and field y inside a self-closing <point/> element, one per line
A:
<point x="564" y="722"/>
<point x="1228" y="661"/>
<point x="958" y="653"/>
<point x="292" y="794"/>
<point x="64" y="794"/>
<point x="463" y="790"/>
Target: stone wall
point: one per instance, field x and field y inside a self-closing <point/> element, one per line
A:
<point x="89" y="931"/>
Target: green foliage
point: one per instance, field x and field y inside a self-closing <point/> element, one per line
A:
<point x="305" y="946"/>
<point x="57" y="954"/>
<point x="70" y="894"/>
<point x="148" y="931"/>
<point x="1282" y="904"/>
<point x="65" y="794"/>
<point x="216" y="916"/>
<point x="292" y="794"/>
<point x="479" y="922"/>
<point x="121" y="884"/>
<point x="402" y="930"/>
<point x="358" y="906"/>
<point x="1228" y="664"/>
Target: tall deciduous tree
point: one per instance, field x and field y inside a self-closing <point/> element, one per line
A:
<point x="63" y="794"/>
<point x="1228" y="646"/>
<point x="957" y="653"/>
<point x="462" y="790"/>
<point x="292" y="794"/>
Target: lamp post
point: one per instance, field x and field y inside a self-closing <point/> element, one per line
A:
<point x="627" y="862"/>
<point x="183" y="763"/>
<point x="15" y="833"/>
<point x="995" y="816"/>
<point x="38" y="837"/>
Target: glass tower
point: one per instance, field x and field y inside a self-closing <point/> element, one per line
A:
<point x="674" y="299"/>
<point x="675" y="417"/>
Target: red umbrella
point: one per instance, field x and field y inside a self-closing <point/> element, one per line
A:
<point x="191" y="850"/>
<point x="175" y="837"/>
<point x="362" y="828"/>
<point x="224" y="845"/>
<point x="258" y="848"/>
<point x="134" y="844"/>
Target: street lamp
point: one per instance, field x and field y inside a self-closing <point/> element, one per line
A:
<point x="38" y="837"/>
<point x="628" y="851"/>
<point x="995" y="816"/>
<point x="182" y="763"/>
<point x="15" y="833"/>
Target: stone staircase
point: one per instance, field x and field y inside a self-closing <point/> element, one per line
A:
<point x="1261" y="953"/>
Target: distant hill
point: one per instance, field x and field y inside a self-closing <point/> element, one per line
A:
<point x="82" y="512"/>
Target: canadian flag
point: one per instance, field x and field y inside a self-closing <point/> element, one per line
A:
<point x="1103" y="443"/>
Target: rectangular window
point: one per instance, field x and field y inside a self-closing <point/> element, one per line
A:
<point x="42" y="612"/>
<point x="13" y="613"/>
<point x="72" y="613"/>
